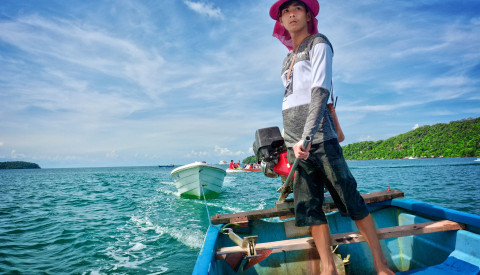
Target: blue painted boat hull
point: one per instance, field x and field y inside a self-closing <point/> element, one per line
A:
<point x="448" y="252"/>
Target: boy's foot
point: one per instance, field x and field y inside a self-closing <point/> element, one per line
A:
<point x="384" y="270"/>
<point x="331" y="271"/>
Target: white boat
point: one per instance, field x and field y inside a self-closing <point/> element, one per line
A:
<point x="478" y="159"/>
<point x="198" y="180"/>
<point x="413" y="155"/>
<point x="240" y="170"/>
<point x="223" y="162"/>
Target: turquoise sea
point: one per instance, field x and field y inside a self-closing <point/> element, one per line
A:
<point x="129" y="220"/>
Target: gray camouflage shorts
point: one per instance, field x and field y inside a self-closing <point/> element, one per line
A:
<point x="325" y="167"/>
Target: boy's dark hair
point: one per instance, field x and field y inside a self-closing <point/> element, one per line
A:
<point x="288" y="3"/>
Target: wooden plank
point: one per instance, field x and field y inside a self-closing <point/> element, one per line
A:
<point x="251" y="215"/>
<point x="240" y="220"/>
<point x="286" y="208"/>
<point x="351" y="237"/>
<point x="399" y="231"/>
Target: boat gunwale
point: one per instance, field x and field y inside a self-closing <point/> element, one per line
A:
<point x="435" y="212"/>
<point x="195" y="165"/>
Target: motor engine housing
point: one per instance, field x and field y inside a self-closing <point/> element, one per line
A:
<point x="268" y="146"/>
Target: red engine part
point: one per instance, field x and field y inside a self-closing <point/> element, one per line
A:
<point x="282" y="167"/>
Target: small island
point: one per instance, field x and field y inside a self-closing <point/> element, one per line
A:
<point x="456" y="139"/>
<point x="18" y="165"/>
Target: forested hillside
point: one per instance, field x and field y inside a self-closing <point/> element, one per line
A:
<point x="18" y="165"/>
<point x="454" y="139"/>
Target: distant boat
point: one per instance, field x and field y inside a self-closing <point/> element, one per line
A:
<point x="223" y="162"/>
<point x="478" y="159"/>
<point x="413" y="155"/>
<point x="198" y="180"/>
<point x="243" y="170"/>
<point x="168" y="165"/>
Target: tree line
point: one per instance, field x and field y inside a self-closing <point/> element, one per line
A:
<point x="443" y="140"/>
<point x="18" y="165"/>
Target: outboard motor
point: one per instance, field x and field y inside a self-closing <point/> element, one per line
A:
<point x="270" y="149"/>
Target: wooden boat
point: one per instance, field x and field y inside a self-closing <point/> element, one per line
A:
<point x="243" y="170"/>
<point x="416" y="238"/>
<point x="198" y="180"/>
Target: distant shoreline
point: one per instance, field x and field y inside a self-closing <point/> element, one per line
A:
<point x="18" y="165"/>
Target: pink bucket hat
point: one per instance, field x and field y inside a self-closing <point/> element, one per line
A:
<point x="281" y="33"/>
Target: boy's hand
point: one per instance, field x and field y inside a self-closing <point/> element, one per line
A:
<point x="300" y="152"/>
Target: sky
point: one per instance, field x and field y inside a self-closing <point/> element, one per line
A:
<point x="147" y="82"/>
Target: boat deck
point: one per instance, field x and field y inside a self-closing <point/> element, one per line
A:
<point x="417" y="238"/>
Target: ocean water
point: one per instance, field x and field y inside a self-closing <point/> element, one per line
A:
<point x="130" y="220"/>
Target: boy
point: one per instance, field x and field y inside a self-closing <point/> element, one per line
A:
<point x="307" y="77"/>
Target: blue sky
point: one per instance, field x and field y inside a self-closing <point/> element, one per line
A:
<point x="119" y="83"/>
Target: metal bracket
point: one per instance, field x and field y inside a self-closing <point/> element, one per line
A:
<point x="247" y="243"/>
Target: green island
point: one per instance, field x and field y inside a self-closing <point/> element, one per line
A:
<point x="443" y="140"/>
<point x="18" y="165"/>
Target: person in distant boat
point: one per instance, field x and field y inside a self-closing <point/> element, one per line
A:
<point x="230" y="166"/>
<point x="307" y="77"/>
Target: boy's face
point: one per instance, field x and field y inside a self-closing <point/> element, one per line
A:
<point x="294" y="17"/>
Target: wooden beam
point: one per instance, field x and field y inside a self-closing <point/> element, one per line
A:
<point x="286" y="208"/>
<point x="251" y="215"/>
<point x="399" y="231"/>
<point x="351" y="237"/>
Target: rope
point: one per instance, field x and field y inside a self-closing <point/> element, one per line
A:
<point x="206" y="206"/>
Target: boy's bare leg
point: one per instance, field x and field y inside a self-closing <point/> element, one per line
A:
<point x="314" y="267"/>
<point x="367" y="228"/>
<point x="321" y="237"/>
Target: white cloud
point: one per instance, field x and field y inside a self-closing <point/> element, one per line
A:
<point x="111" y="155"/>
<point x="194" y="154"/>
<point x="364" y="138"/>
<point x="15" y="155"/>
<point x="89" y="48"/>
<point x="419" y="50"/>
<point x="205" y="9"/>
<point x="451" y="81"/>
<point x="415" y="126"/>
<point x="377" y="108"/>
<point x="226" y="152"/>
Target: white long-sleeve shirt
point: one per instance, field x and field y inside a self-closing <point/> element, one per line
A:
<point x="304" y="109"/>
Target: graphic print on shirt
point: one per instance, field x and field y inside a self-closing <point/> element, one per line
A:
<point x="300" y="56"/>
<point x="289" y="88"/>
